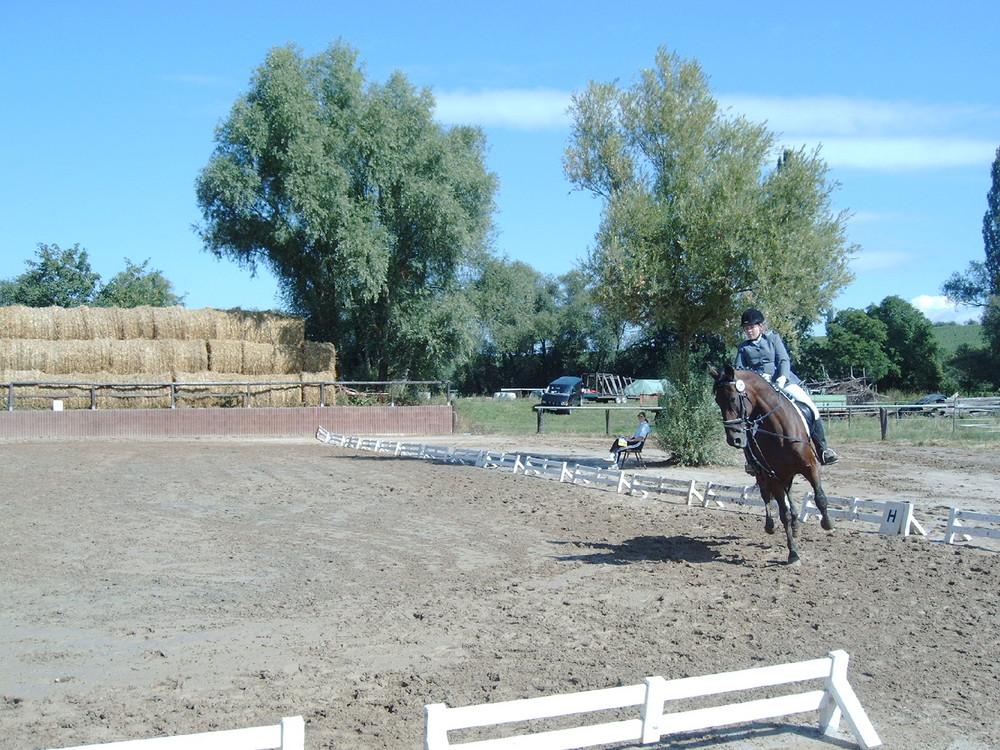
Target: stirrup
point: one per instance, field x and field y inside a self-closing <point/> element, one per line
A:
<point x="829" y="457"/>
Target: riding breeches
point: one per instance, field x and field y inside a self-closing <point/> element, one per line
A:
<point x="797" y="393"/>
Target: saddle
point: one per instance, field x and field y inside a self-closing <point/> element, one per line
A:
<point x="803" y="410"/>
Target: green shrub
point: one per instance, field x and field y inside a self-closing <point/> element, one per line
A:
<point x="690" y="427"/>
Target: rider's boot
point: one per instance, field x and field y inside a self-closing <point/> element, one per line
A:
<point x="826" y="455"/>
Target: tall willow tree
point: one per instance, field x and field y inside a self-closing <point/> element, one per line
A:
<point x="702" y="216"/>
<point x="364" y="207"/>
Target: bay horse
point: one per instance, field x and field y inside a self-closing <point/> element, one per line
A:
<point x="776" y="442"/>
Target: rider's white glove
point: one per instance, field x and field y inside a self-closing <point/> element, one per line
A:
<point x="780" y="381"/>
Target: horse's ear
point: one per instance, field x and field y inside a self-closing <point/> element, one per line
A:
<point x="713" y="372"/>
<point x="730" y="372"/>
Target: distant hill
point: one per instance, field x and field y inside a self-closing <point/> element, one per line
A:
<point x="950" y="336"/>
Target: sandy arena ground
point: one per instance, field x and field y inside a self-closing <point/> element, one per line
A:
<point x="174" y="587"/>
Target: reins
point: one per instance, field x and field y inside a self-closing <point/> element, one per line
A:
<point x="754" y="425"/>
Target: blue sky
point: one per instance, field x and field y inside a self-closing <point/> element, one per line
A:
<point x="109" y="109"/>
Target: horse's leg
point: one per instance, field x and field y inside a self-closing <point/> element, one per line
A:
<point x="793" y="517"/>
<point x="819" y="497"/>
<point x="793" y="552"/>
<point x="765" y="495"/>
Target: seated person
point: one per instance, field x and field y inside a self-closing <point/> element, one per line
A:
<point x="623" y="443"/>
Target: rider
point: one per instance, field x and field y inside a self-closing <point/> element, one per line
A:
<point x="765" y="354"/>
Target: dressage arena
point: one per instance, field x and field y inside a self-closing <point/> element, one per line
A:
<point x="159" y="587"/>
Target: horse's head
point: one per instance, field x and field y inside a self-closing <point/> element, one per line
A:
<point x="736" y="404"/>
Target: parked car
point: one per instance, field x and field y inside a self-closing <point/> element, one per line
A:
<point x="925" y="405"/>
<point x="564" y="391"/>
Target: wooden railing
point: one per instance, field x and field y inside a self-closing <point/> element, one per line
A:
<point x="232" y="393"/>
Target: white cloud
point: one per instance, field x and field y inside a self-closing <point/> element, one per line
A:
<point x="876" y="134"/>
<point x="852" y="133"/>
<point x="892" y="154"/>
<point x="523" y="109"/>
<point x="939" y="310"/>
<point x="842" y="116"/>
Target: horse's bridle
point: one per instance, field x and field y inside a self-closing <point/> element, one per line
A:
<point x="752" y="425"/>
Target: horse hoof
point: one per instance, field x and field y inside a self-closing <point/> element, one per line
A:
<point x="827" y="524"/>
<point x="769" y="526"/>
<point x="794" y="561"/>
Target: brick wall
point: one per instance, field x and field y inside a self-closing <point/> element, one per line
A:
<point x="276" y="422"/>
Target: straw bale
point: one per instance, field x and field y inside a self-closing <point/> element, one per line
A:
<point x="273" y="359"/>
<point x="221" y="389"/>
<point x="20" y="322"/>
<point x="112" y="356"/>
<point x="319" y="356"/>
<point x="55" y="357"/>
<point x="311" y="388"/>
<point x="17" y="356"/>
<point x="86" y="323"/>
<point x="136" y="322"/>
<point x="178" y="323"/>
<point x="126" y="357"/>
<point x="225" y="355"/>
<point x="260" y="327"/>
<point x="187" y="356"/>
<point x="227" y="325"/>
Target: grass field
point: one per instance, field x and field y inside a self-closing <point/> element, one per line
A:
<point x="949" y="337"/>
<point x="916" y="430"/>
<point x="488" y="416"/>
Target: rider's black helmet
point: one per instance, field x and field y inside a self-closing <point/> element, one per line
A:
<point x="751" y="317"/>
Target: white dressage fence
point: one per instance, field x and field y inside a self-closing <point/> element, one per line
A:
<point x="958" y="525"/>
<point x="288" y="735"/>
<point x="892" y="517"/>
<point x="833" y="699"/>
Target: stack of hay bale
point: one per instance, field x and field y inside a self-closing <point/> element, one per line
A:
<point x="148" y="345"/>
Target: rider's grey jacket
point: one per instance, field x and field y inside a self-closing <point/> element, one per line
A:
<point x="766" y="355"/>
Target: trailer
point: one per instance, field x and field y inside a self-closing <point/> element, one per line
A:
<point x="604" y="387"/>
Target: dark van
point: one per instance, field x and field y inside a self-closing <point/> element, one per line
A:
<point x="564" y="391"/>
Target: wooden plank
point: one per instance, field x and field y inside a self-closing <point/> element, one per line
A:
<point x="289" y="735"/>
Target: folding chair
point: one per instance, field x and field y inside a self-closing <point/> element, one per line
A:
<point x="635" y="451"/>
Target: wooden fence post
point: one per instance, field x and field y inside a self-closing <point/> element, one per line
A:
<point x="883" y="421"/>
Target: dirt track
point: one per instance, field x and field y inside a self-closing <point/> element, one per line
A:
<point x="170" y="587"/>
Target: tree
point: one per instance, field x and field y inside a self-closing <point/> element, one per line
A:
<point x="136" y="286"/>
<point x="58" y="277"/>
<point x="365" y="209"/>
<point x="910" y="346"/>
<point x="695" y="225"/>
<point x="855" y="345"/>
<point x="535" y="328"/>
<point x="981" y="279"/>
<point x="991" y="227"/>
<point x="64" y="278"/>
<point x="970" y="288"/>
